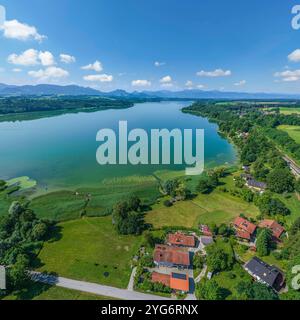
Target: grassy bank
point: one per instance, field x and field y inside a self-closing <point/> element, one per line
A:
<point x="39" y="291"/>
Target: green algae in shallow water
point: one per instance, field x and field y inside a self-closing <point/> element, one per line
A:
<point x="23" y="182"/>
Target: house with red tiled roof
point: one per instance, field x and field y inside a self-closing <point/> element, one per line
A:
<point x="274" y="226"/>
<point x="176" y="281"/>
<point x="205" y="230"/>
<point x="181" y="240"/>
<point x="161" y="278"/>
<point x="244" y="228"/>
<point x="170" y="256"/>
<point x="180" y="282"/>
<point x="243" y="235"/>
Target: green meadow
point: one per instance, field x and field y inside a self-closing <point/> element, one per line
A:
<point x="90" y="249"/>
<point x="217" y="207"/>
<point x="293" y="131"/>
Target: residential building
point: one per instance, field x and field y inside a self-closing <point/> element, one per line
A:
<point x="253" y="184"/>
<point x="181" y="240"/>
<point x="176" y="281"/>
<point x="205" y="230"/>
<point x="256" y="185"/>
<point x="180" y="282"/>
<point x="161" y="278"/>
<point x="205" y="240"/>
<point x="244" y="228"/>
<point x="264" y="273"/>
<point x="274" y="226"/>
<point x="246" y="169"/>
<point x="170" y="256"/>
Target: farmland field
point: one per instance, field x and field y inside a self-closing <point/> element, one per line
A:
<point x="287" y="111"/>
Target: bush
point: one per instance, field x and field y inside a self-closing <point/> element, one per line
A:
<point x="168" y="203"/>
<point x="280" y="181"/>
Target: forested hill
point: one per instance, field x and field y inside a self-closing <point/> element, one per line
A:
<point x="15" y="105"/>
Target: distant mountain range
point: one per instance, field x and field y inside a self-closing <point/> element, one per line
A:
<point x="74" y="90"/>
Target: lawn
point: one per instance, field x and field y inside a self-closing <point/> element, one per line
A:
<point x="89" y="249"/>
<point x="293" y="131"/>
<point x="39" y="291"/>
<point x="228" y="280"/>
<point x="217" y="207"/>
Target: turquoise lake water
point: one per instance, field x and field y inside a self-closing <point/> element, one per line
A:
<point x="60" y="151"/>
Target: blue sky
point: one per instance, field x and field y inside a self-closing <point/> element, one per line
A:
<point x="229" y="45"/>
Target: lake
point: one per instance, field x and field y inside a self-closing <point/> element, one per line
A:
<point x="60" y="151"/>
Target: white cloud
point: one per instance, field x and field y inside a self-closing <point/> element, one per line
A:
<point x="17" y="70"/>
<point x="66" y="58"/>
<point x="166" y="79"/>
<point x="13" y="29"/>
<point x="288" y="75"/>
<point x="27" y="58"/>
<point x="49" y="73"/>
<point x="214" y="74"/>
<point x="294" y="56"/>
<point x="200" y="86"/>
<point x="46" y="58"/>
<point x="189" y="84"/>
<point x="240" y="83"/>
<point x="96" y="66"/>
<point x="99" y="77"/>
<point x="141" y="83"/>
<point x="159" y="64"/>
<point x="32" y="57"/>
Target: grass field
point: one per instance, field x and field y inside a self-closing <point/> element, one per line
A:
<point x="228" y="280"/>
<point x="293" y="204"/>
<point x="89" y="249"/>
<point x="293" y="131"/>
<point x="39" y="291"/>
<point x="288" y="111"/>
<point x="217" y="207"/>
<point x="66" y="205"/>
